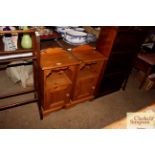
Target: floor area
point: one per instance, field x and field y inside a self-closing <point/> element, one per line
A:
<point x="89" y="115"/>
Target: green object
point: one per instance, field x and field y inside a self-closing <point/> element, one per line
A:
<point x="26" y="41"/>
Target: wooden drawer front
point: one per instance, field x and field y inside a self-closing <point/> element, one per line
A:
<point x="119" y="62"/>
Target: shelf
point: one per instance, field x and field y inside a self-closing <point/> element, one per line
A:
<point x="10" y="56"/>
<point x="6" y="65"/>
<point x="116" y="73"/>
<point x="19" y="96"/>
<point x="4" y="107"/>
<point x="17" y="31"/>
<point x="26" y="91"/>
<point x="21" y="58"/>
<point x="19" y="53"/>
<point x="16" y="51"/>
<point x="123" y="51"/>
<point x="49" y="37"/>
<point x="19" y="48"/>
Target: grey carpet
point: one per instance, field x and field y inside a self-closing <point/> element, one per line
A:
<point x="93" y="114"/>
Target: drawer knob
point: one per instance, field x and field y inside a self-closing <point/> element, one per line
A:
<point x="93" y="87"/>
<point x="68" y="95"/>
<point x="58" y="63"/>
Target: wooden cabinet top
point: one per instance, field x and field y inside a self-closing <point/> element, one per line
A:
<point x="56" y="57"/>
<point x="87" y="54"/>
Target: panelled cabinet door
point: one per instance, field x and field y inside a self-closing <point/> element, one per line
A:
<point x="85" y="88"/>
<point x="85" y="84"/>
<point x="57" y="89"/>
<point x="57" y="97"/>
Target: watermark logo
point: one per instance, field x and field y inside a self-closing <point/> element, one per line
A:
<point x="141" y="120"/>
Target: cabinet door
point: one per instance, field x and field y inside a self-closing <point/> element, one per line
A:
<point x="58" y="97"/>
<point x="57" y="90"/>
<point x="85" y="84"/>
<point x="84" y="88"/>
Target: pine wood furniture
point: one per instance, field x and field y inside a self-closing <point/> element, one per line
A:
<point x="68" y="78"/>
<point x="89" y="73"/>
<point x="58" y="73"/>
<point x="33" y="57"/>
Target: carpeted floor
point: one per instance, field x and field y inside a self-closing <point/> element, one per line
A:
<point x="94" y="114"/>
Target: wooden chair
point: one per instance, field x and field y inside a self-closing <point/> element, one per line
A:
<point x="146" y="63"/>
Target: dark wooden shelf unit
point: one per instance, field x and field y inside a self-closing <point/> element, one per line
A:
<point x="119" y="45"/>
